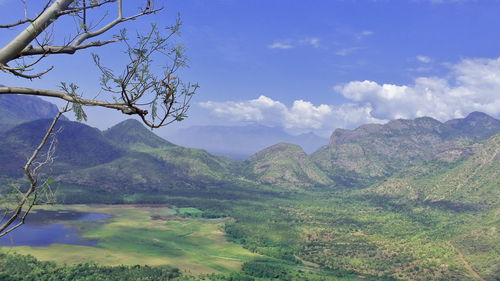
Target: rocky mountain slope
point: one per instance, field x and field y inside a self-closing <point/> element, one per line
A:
<point x="372" y="152"/>
<point x="473" y="182"/>
<point x="16" y="109"/>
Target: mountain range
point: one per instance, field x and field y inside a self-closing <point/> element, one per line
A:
<point x="373" y="152"/>
<point x="129" y="157"/>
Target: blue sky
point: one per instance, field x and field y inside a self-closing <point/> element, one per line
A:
<point x="318" y="65"/>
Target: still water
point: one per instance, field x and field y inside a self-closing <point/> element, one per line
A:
<point x="45" y="228"/>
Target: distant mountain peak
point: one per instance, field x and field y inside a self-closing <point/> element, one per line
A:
<point x="473" y="117"/>
<point x="17" y="109"/>
<point x="478" y="114"/>
<point x="340" y="136"/>
<point x="279" y="147"/>
<point x="133" y="134"/>
<point x="78" y="145"/>
<point x="131" y="123"/>
<point x="476" y="125"/>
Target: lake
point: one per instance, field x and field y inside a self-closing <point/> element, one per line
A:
<point x="45" y="228"/>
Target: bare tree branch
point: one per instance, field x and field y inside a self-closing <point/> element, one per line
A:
<point x="85" y="7"/>
<point x="70" y="98"/>
<point x="30" y="195"/>
<point x="26" y="20"/>
<point x="112" y="24"/>
<point x="50" y="50"/>
<point x="17" y="23"/>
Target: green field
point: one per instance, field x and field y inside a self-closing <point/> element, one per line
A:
<point x="148" y="236"/>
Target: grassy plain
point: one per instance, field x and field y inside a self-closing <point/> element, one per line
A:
<point x="148" y="235"/>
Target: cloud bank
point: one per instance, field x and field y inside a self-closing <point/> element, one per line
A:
<point x="301" y="117"/>
<point x="470" y="85"/>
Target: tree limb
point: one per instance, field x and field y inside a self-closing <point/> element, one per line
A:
<point x="43" y="50"/>
<point x="70" y="98"/>
<point x="27" y="76"/>
<point x="23" y="39"/>
<point x="27" y="19"/>
<point x="113" y="23"/>
<point x="16" y="24"/>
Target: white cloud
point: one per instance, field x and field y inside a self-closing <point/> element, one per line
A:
<point x="301" y="117"/>
<point x="312" y="41"/>
<point x="423" y="59"/>
<point x="472" y="85"/>
<point x="304" y="115"/>
<point x="280" y="45"/>
<point x="262" y="109"/>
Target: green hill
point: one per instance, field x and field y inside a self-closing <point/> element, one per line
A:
<point x="285" y="165"/>
<point x="78" y="146"/>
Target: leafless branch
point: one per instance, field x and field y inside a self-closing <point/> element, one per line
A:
<point x="20" y="73"/>
<point x="30" y="170"/>
<point x="112" y="24"/>
<point x="85" y="7"/>
<point x="26" y="20"/>
<point x="50" y="50"/>
<point x="70" y="98"/>
<point x="16" y="24"/>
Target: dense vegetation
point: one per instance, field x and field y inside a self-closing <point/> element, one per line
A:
<point x="27" y="268"/>
<point x="348" y="233"/>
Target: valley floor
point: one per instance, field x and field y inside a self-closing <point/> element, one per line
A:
<point x="146" y="235"/>
<point x="319" y="234"/>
